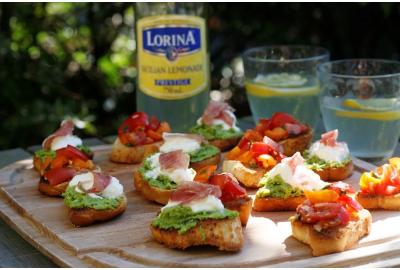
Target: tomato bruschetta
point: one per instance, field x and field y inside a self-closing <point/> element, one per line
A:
<point x="330" y="220"/>
<point x="283" y="187"/>
<point x="250" y="160"/>
<point x="218" y="125"/>
<point x="94" y="197"/>
<point x="285" y="130"/>
<point x="138" y="137"/>
<point x="161" y="173"/>
<point x="195" y="216"/>
<point x="330" y="159"/>
<point x="380" y="189"/>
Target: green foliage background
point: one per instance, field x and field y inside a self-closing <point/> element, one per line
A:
<point x="77" y="59"/>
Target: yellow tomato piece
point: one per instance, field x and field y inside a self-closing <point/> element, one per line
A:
<point x="395" y="161"/>
<point x="267" y="160"/>
<point x="367" y="178"/>
<point x="319" y="196"/>
<point x="234" y="153"/>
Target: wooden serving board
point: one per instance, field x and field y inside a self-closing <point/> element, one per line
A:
<point x="126" y="241"/>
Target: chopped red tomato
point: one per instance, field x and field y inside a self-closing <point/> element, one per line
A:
<point x="231" y="190"/>
<point x="260" y="148"/>
<point x="350" y="202"/>
<point x="279" y="119"/>
<point x="385" y="180"/>
<point x="138" y="129"/>
<point x="59" y="175"/>
<point x="71" y="153"/>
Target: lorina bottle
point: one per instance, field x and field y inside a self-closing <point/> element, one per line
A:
<point x="172" y="62"/>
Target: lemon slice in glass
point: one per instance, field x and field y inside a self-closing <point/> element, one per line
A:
<point x="281" y="80"/>
<point x="381" y="109"/>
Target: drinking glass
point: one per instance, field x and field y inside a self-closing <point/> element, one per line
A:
<point x="284" y="79"/>
<point x="360" y="98"/>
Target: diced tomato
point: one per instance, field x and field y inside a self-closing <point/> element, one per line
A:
<point x="59" y="175"/>
<point x="260" y="148"/>
<point x="234" y="153"/>
<point x="321" y="196"/>
<point x="277" y="134"/>
<point x="154" y="124"/>
<point x="71" y="153"/>
<point x="244" y="144"/>
<point x="350" y="202"/>
<point x="266" y="161"/>
<point x="133" y="122"/>
<point x="341" y="187"/>
<point x="231" y="190"/>
<point x="245" y="157"/>
<point x="154" y="135"/>
<point x="59" y="161"/>
<point x="280" y="118"/>
<point x="204" y="173"/>
<point x="164" y="127"/>
<point x="79" y="164"/>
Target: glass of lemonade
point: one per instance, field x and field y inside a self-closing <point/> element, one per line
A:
<point x="361" y="98"/>
<point x="284" y="79"/>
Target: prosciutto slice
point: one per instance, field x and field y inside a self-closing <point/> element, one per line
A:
<point x="174" y="160"/>
<point x="329" y="138"/>
<point x="100" y="182"/>
<point x="196" y="137"/>
<point x="218" y="110"/>
<point x="191" y="191"/>
<point x="66" y="128"/>
<point x="274" y="145"/>
<point x="294" y="161"/>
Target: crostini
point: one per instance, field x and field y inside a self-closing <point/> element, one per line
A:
<point x="138" y="137"/>
<point x="330" y="159"/>
<point x="161" y="173"/>
<point x="285" y="130"/>
<point x="330" y="221"/>
<point x="380" y="189"/>
<point x="234" y="197"/>
<point x="59" y="147"/>
<point x="283" y="187"/>
<point x="94" y="197"/>
<point x="200" y="151"/>
<point x="250" y="160"/>
<point x="218" y="126"/>
<point x="195" y="216"/>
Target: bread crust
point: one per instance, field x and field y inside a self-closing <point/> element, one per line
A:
<point x="226" y="234"/>
<point x="372" y="201"/>
<point x="336" y="174"/>
<point x="226" y="144"/>
<point x="52" y="191"/>
<point x="154" y="194"/>
<point x="296" y="144"/>
<point x="243" y="206"/>
<point x="269" y="204"/>
<point x="87" y="216"/>
<point x="214" y="160"/>
<point x="121" y="153"/>
<point x="334" y="239"/>
<point x="246" y="176"/>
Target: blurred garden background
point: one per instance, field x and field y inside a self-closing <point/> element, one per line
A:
<point x="77" y="59"/>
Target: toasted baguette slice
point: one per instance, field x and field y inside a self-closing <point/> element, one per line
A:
<point x="296" y="144"/>
<point x="368" y="201"/>
<point x="226" y="144"/>
<point x="226" y="234"/>
<point x="247" y="176"/>
<point x="243" y="206"/>
<point x="269" y="204"/>
<point x="121" y="153"/>
<point x="53" y="191"/>
<point x="151" y="193"/>
<point x="334" y="239"/>
<point x="87" y="216"/>
<point x="336" y="174"/>
<point x="214" y="160"/>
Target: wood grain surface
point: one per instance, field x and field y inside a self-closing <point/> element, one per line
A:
<point x="126" y="240"/>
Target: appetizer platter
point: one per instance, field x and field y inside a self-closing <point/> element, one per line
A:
<point x="163" y="199"/>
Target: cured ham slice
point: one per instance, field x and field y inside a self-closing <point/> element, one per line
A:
<point x="294" y="161"/>
<point x="174" y="160"/>
<point x="294" y="129"/>
<point x="218" y="110"/>
<point x="191" y="191"/>
<point x="100" y="182"/>
<point x="274" y="145"/>
<point x="66" y="128"/>
<point x="329" y="138"/>
<point x="196" y="137"/>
